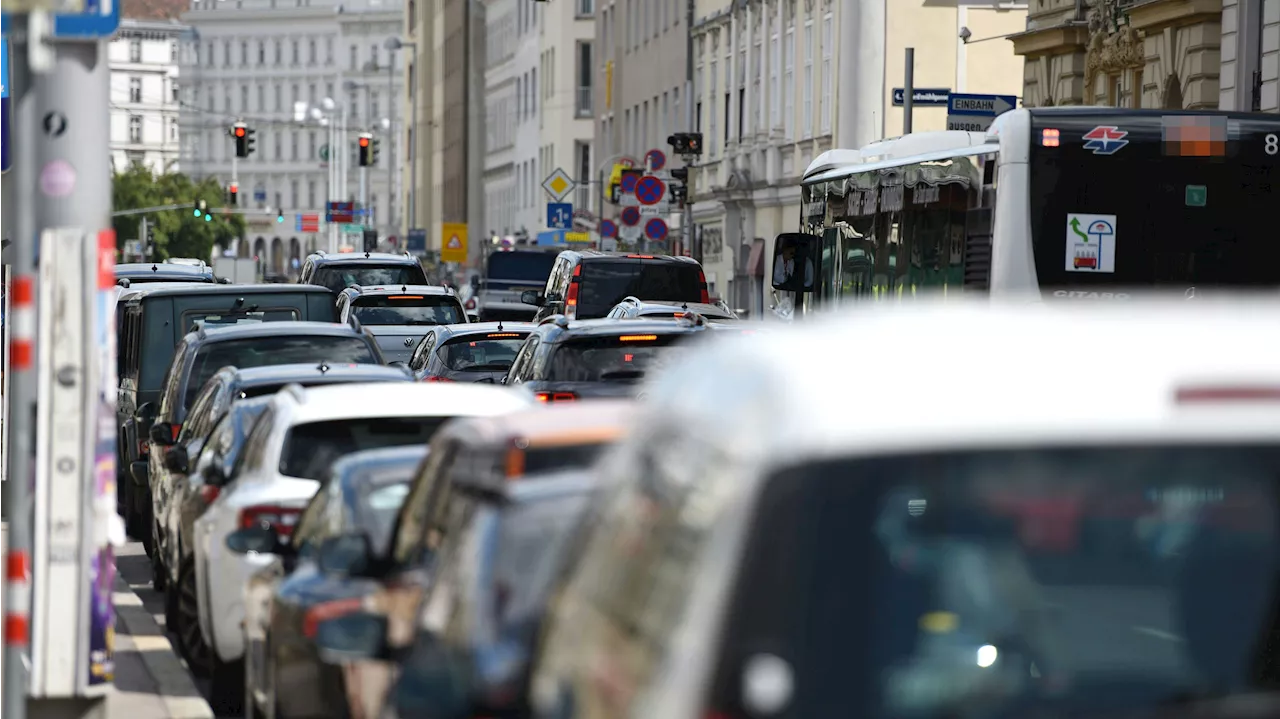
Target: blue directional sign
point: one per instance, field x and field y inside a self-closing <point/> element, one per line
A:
<point x="983" y="105"/>
<point x="922" y="96"/>
<point x="100" y="19"/>
<point x="559" y="216"/>
<point x="4" y="105"/>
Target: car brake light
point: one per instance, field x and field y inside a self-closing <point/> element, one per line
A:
<point x="281" y="519"/>
<point x="702" y="281"/>
<point x="493" y="335"/>
<point x="436" y="379"/>
<point x="642" y="257"/>
<point x="637" y="338"/>
<point x="209" y="492"/>
<point x="325" y="611"/>
<point x="1197" y="395"/>
<point x="556" y="396"/>
<point x="571" y="299"/>
<point x="404" y="297"/>
<point x="176" y="429"/>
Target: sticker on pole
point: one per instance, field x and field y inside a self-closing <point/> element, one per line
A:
<point x="1091" y="243"/>
<point x="57" y="179"/>
<point x="631" y="216"/>
<point x="649" y="190"/>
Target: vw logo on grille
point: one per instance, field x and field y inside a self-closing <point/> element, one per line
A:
<point x="408" y="341"/>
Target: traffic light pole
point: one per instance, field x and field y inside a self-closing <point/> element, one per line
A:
<point x="691" y="241"/>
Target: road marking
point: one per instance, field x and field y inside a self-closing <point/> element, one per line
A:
<point x="125" y="599"/>
<point x="1157" y="633"/>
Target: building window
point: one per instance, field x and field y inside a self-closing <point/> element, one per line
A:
<point x="711" y="103"/>
<point x="173" y="51"/>
<point x="176" y="90"/>
<point x="279" y="145"/>
<point x="293" y="193"/>
<point x="173" y="129"/>
<point x="226" y="54"/>
<point x="586" y="7"/>
<point x="825" y="110"/>
<point x="328" y="51"/>
<point x="373" y="106"/>
<point x="209" y="52"/>
<point x="294" y="53"/>
<point x="353" y="107"/>
<point x="262" y="53"/>
<point x="757" y="63"/>
<point x="244" y="98"/>
<point x="293" y="144"/>
<point x="279" y="202"/>
<point x="262" y="97"/>
<point x="294" y="93"/>
<point x="244" y="53"/>
<point x="311" y="144"/>
<point x="311" y="94"/>
<point x="135" y="50"/>
<point x="136" y="158"/>
<point x="355" y="59"/>
<point x="585" y="77"/>
<point x="311" y="52"/>
<point x="279" y="52"/>
<point x="806" y="101"/>
<point x="775" y="65"/>
<point x="135" y="128"/>
<point x="788" y="78"/>
<point x="226" y="100"/>
<point x="373" y="55"/>
<point x="135" y="89"/>
<point x="311" y="193"/>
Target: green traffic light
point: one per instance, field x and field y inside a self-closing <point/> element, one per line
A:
<point x="196" y="212"/>
<point x="208" y="218"/>
<point x="279" y="218"/>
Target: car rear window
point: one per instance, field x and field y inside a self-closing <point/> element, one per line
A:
<point x="605" y="283"/>
<point x="311" y="449"/>
<point x="481" y="352"/>
<point x="532" y="267"/>
<point x="408" y="310"/>
<point x="272" y="388"/>
<point x="1090" y="581"/>
<point x="268" y="351"/>
<point x="622" y="357"/>
<point x="195" y="319"/>
<point x="340" y="277"/>
<point x="538" y="460"/>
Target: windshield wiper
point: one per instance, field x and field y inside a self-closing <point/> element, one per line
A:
<point x="622" y="374"/>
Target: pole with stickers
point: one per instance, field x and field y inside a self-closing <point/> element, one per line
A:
<point x="59" y="493"/>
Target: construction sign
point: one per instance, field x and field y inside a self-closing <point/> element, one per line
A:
<point x="454" y="248"/>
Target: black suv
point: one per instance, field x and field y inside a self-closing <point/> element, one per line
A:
<point x="565" y="361"/>
<point x="134" y="273"/>
<point x="340" y="271"/>
<point x="586" y="285"/>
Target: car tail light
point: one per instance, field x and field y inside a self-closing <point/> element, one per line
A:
<point x="325" y="611"/>
<point x="702" y="281"/>
<point x="1206" y="395"/>
<point x="556" y="396"/>
<point x="436" y="379"/>
<point x="209" y="492"/>
<point x="176" y="429"/>
<point x="571" y="299"/>
<point x="281" y="519"/>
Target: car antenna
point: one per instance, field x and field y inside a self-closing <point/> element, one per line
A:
<point x="499" y="325"/>
<point x="154" y="268"/>
<point x="404" y="289"/>
<point x="323" y="368"/>
<point x="366" y="254"/>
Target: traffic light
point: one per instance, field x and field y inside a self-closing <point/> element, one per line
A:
<point x="243" y="136"/>
<point x="681" y="174"/>
<point x="686" y="143"/>
<point x="366" y="149"/>
<point x="233" y="191"/>
<point x="280" y="217"/>
<point x="202" y="208"/>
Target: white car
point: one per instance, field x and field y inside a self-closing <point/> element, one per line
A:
<point x="287" y="454"/>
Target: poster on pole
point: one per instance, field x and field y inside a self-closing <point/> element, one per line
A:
<point x="102" y="493"/>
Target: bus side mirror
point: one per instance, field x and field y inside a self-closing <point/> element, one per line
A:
<point x="794" y="267"/>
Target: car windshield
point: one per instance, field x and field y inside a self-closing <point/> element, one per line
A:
<point x="610" y="358"/>
<point x="267" y="351"/>
<point x="605" y="283"/>
<point x="311" y="449"/>
<point x="480" y="353"/>
<point x="1074" y="582"/>
<point x="531" y="267"/>
<point x="339" y="277"/>
<point x="408" y="310"/>
<point x="532" y="540"/>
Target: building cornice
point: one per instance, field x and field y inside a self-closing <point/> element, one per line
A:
<point x="1069" y="37"/>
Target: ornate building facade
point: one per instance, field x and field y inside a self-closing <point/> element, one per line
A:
<point x="1122" y="53"/>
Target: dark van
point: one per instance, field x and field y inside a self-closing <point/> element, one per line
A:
<point x="152" y="321"/>
<point x="586" y="285"/>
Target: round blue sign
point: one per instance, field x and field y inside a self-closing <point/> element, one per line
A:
<point x="608" y="229"/>
<point x="628" y="183"/>
<point x="631" y="216"/>
<point x="649" y="190"/>
<point x="656" y="159"/>
<point x="656" y="229"/>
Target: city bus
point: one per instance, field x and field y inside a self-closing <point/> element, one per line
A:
<point x="1076" y="203"/>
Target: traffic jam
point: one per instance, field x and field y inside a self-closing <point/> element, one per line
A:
<point x="579" y="485"/>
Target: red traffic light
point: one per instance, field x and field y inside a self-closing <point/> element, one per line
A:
<point x="364" y="142"/>
<point x="235" y="187"/>
<point x="239" y="132"/>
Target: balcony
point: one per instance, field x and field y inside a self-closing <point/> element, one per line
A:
<point x="584" y="106"/>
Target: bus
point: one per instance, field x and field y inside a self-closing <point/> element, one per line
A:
<point x="507" y="273"/>
<point x="1079" y="203"/>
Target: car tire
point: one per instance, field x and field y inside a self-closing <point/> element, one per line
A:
<point x="186" y="622"/>
<point x="226" y="687"/>
<point x="158" y="571"/>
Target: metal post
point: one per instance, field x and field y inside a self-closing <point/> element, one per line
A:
<point x="909" y="91"/>
<point x="691" y="240"/>
<point x="413" y="146"/>
<point x="391" y="144"/>
<point x="364" y="192"/>
<point x="343" y="158"/>
<point x="22" y="375"/>
<point x="142" y="238"/>
<point x="333" y="185"/>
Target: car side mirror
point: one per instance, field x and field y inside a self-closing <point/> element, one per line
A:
<point x="213" y="475"/>
<point x="163" y="433"/>
<point x="345" y="555"/>
<point x="532" y="297"/>
<point x="352" y="637"/>
<point x="261" y="539"/>
<point x="176" y="460"/>
<point x="794" y="260"/>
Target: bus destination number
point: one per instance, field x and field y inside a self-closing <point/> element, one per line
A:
<point x="1272" y="146"/>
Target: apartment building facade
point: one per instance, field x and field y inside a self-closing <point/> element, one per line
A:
<point x="254" y="61"/>
<point x="145" y="94"/>
<point x="779" y="82"/>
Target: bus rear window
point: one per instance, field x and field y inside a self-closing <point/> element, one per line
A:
<point x="1117" y="202"/>
<point x="194" y="319"/>
<point x="605" y="283"/>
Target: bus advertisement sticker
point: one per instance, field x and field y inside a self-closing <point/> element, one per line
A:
<point x="1091" y="243"/>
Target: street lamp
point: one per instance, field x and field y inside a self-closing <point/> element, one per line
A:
<point x="393" y="44"/>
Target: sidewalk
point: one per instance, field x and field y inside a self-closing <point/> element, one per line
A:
<point x="151" y="682"/>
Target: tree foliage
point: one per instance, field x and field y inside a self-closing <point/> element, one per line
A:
<point x="177" y="233"/>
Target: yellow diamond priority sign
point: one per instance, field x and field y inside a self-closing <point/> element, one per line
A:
<point x="559" y="184"/>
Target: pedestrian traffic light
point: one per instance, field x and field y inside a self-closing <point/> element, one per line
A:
<point x="233" y="191"/>
<point x="241" y="133"/>
<point x="366" y="149"/>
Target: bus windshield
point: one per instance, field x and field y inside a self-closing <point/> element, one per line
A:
<point x="1174" y="201"/>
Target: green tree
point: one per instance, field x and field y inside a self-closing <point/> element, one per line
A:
<point x="177" y="233"/>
